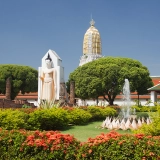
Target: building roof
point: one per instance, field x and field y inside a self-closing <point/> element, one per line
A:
<point x="156" y="81"/>
<point x="155" y="88"/>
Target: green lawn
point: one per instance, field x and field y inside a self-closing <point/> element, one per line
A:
<point x="93" y="129"/>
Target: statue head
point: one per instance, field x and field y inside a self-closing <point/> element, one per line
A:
<point x="48" y="61"/>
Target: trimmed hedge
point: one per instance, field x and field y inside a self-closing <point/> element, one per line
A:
<point x="99" y="113"/>
<point x="13" y="119"/>
<point x="79" y="116"/>
<point x="48" y="119"/>
<point x="151" y="129"/>
<point x="51" y="119"/>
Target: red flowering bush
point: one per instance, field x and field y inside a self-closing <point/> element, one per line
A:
<point x="37" y="145"/>
<point x="53" y="145"/>
<point x="50" y="145"/>
<point x="10" y="143"/>
<point x="113" y="146"/>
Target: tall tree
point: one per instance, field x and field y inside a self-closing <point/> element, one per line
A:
<point x="23" y="78"/>
<point x="105" y="77"/>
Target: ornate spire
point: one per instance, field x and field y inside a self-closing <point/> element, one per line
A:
<point x="92" y="22"/>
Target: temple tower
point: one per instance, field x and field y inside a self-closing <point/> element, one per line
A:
<point x="92" y="49"/>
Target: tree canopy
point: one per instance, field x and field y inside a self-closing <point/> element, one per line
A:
<point x="23" y="78"/>
<point x="105" y="77"/>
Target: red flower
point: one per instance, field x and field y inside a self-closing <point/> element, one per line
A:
<point x="52" y="137"/>
<point x="90" y="151"/>
<point x="30" y="137"/>
<point x="83" y="155"/>
<point x="139" y="136"/>
<point x="30" y="143"/>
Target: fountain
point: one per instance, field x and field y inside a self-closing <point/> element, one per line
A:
<point x="126" y="120"/>
<point x="126" y="111"/>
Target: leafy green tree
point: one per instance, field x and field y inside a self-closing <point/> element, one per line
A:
<point x="105" y="77"/>
<point x="23" y="78"/>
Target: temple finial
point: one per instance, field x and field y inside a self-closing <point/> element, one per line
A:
<point x="92" y="22"/>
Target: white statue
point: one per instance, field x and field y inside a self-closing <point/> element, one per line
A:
<point x="48" y="77"/>
<point x="51" y="78"/>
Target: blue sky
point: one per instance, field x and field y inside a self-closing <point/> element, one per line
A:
<point x="128" y="28"/>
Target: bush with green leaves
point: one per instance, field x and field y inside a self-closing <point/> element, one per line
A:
<point x="26" y="106"/>
<point x="142" y="115"/>
<point x="152" y="128"/>
<point x="13" y="119"/>
<point x="79" y="116"/>
<point x="141" y="108"/>
<point x="48" y="119"/>
<point x="99" y="113"/>
<point x="153" y="108"/>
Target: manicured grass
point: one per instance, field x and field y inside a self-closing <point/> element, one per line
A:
<point x="82" y="133"/>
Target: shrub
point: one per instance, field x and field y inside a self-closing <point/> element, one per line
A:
<point x="79" y="116"/>
<point x="48" y="119"/>
<point x="53" y="145"/>
<point x="153" y="108"/>
<point x="113" y="146"/>
<point x="50" y="145"/>
<point x="13" y="119"/>
<point x="142" y="115"/>
<point x="10" y="143"/>
<point x="116" y="107"/>
<point x="110" y="111"/>
<point x="26" y="106"/>
<point x="151" y="129"/>
<point x="24" y="145"/>
<point x="96" y="113"/>
<point x="26" y="110"/>
<point x="141" y="108"/>
<point x="99" y="113"/>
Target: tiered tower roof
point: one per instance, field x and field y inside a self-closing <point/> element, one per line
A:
<point x="92" y="40"/>
<point x="91" y="45"/>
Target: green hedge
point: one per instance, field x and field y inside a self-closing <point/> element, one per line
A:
<point x="51" y="119"/>
<point x="142" y="115"/>
<point x="151" y="129"/>
<point x="99" y="113"/>
<point x="48" y="119"/>
<point x="79" y="116"/>
<point x="13" y="119"/>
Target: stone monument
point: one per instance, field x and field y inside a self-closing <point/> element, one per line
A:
<point x="51" y="76"/>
